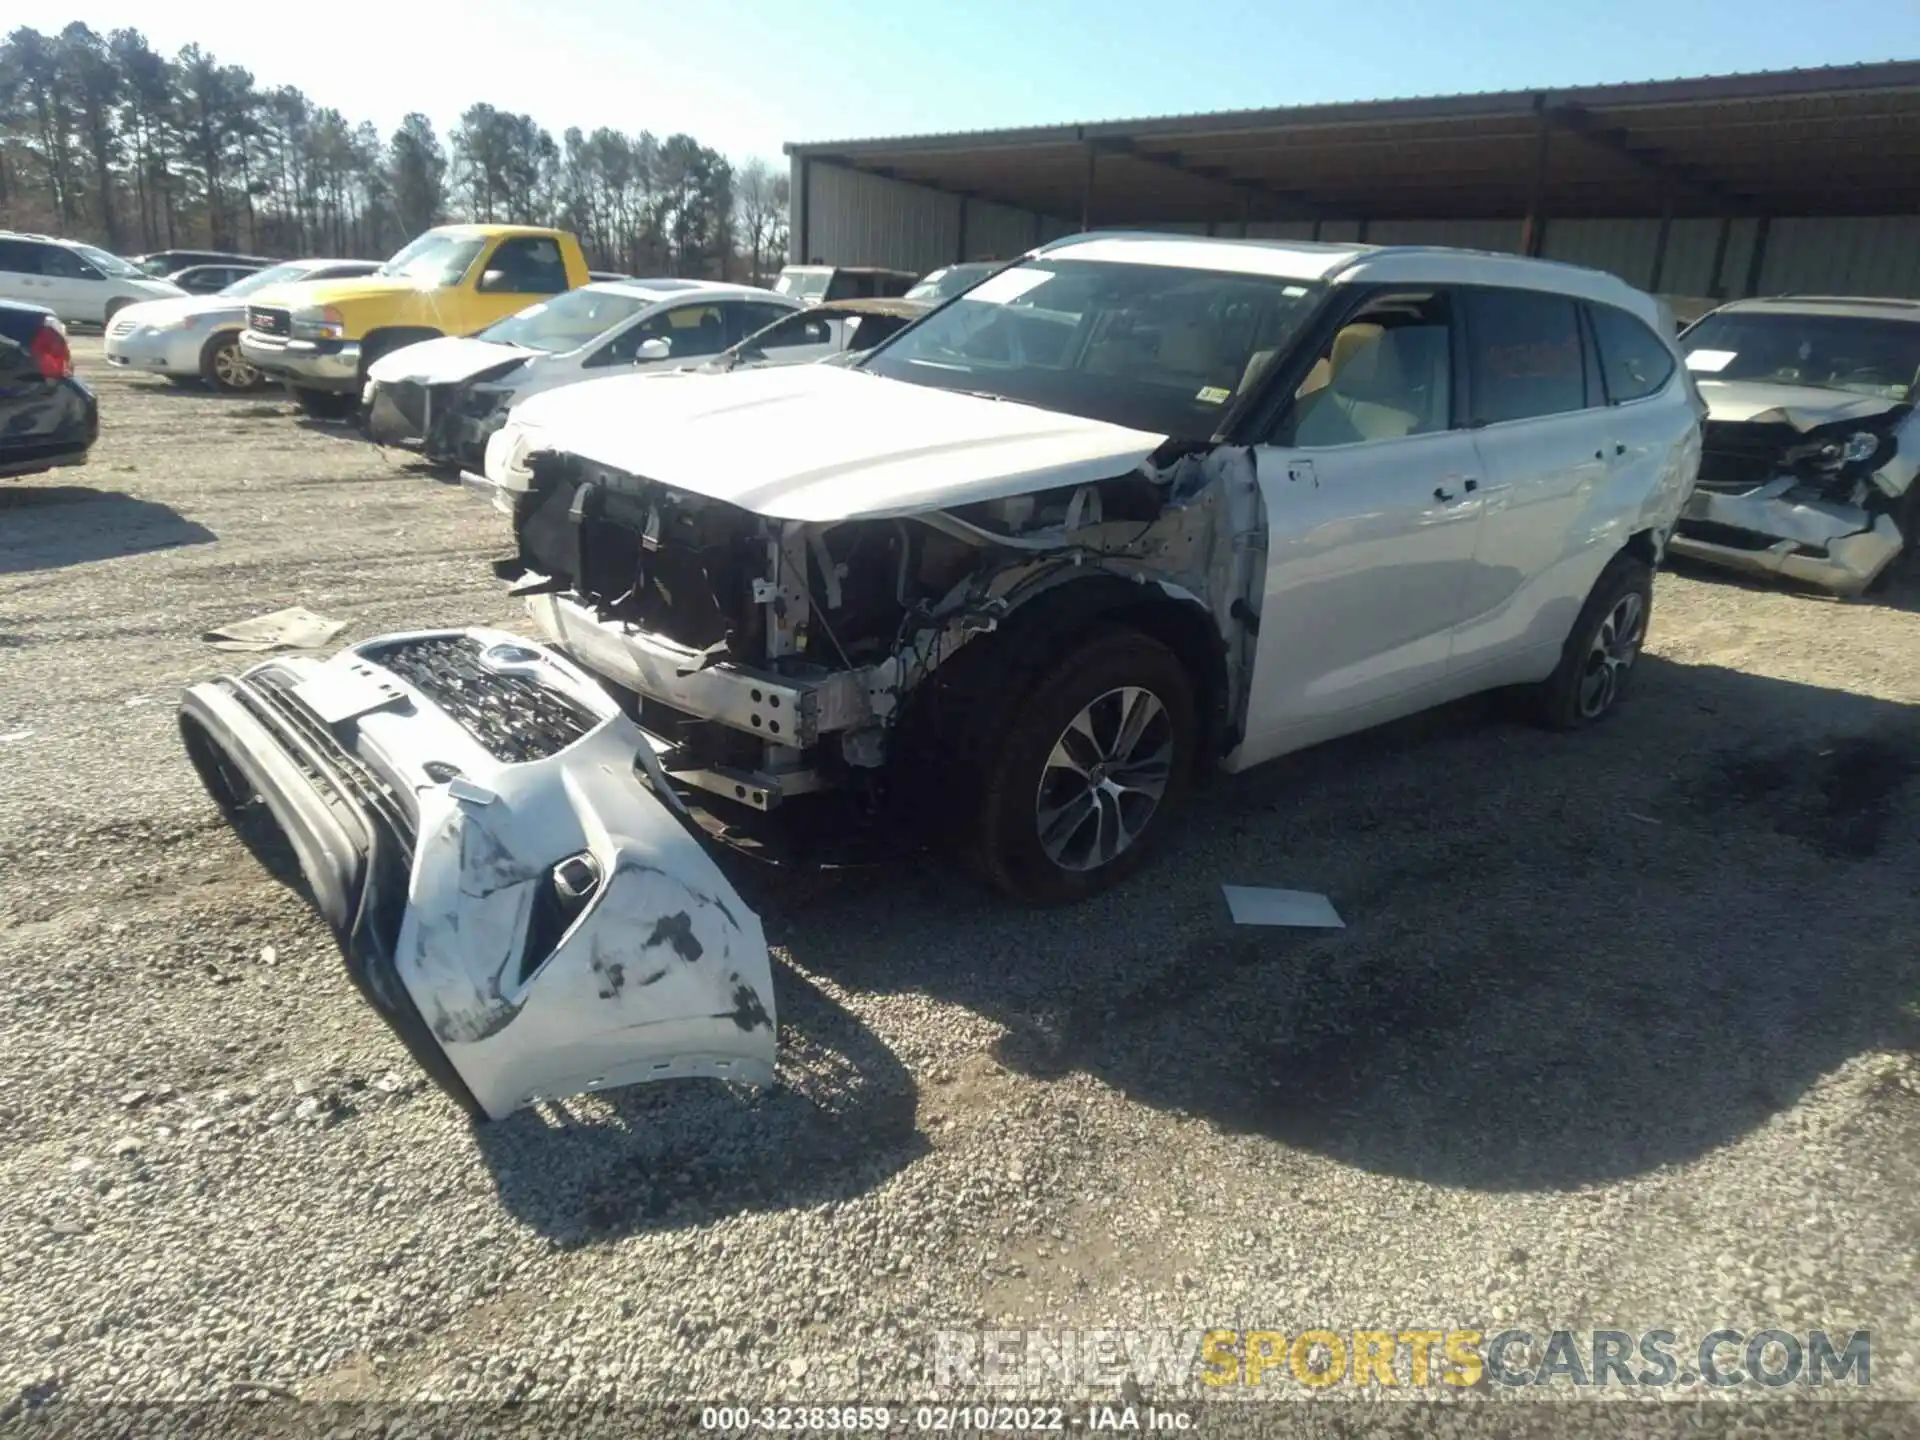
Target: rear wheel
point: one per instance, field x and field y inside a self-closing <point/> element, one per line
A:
<point x="325" y="404"/>
<point x="1599" y="656"/>
<point x="1081" y="776"/>
<point x="224" y="368"/>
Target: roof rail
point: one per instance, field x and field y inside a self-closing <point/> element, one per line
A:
<point x="1896" y="301"/>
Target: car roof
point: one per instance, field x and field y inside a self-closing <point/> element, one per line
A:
<point x="1352" y="264"/>
<point x="1859" y="307"/>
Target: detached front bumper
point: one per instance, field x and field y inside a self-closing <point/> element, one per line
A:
<point x="449" y="423"/>
<point x="331" y="365"/>
<point x="494" y="847"/>
<point x="1839" y="547"/>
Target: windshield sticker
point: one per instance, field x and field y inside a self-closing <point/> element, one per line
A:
<point x="1213" y="395"/>
<point x="1294" y="292"/>
<point x="1008" y="285"/>
<point x="1710" y="362"/>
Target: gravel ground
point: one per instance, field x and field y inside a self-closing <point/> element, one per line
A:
<point x="1622" y="1032"/>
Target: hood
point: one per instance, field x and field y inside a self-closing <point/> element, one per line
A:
<point x="815" y="442"/>
<point x="151" y="285"/>
<point x="214" y="308"/>
<point x="315" y="293"/>
<point x="1804" y="407"/>
<point x="446" y="361"/>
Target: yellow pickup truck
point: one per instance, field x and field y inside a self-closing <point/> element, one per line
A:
<point x="453" y="280"/>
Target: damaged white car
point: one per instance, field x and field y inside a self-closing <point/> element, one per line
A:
<point x="1137" y="508"/>
<point x="1812" y="442"/>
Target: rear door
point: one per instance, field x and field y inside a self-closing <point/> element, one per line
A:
<point x="1370" y="490"/>
<point x="1533" y="398"/>
<point x="20" y="277"/>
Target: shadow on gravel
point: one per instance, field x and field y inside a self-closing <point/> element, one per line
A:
<point x="1569" y="958"/>
<point x="47" y="527"/>
<point x="839" y="1121"/>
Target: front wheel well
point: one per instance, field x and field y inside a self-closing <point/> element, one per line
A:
<point x="1052" y="623"/>
<point x="1641" y="543"/>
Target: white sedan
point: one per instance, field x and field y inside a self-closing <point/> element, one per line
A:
<point x="196" y="337"/>
<point x="445" y="396"/>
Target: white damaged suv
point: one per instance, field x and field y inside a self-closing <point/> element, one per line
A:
<point x="1133" y="509"/>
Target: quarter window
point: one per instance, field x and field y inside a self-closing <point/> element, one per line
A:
<point x="1524" y="356"/>
<point x="1632" y="358"/>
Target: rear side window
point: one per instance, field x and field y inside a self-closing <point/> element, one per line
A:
<point x="1633" y="361"/>
<point x="20" y="257"/>
<point x="1524" y="356"/>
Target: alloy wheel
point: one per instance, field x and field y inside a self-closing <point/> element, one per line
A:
<point x="231" y="369"/>
<point x="1104" y="778"/>
<point x="1616" y="645"/>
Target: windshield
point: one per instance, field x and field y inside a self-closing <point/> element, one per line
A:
<point x="945" y="283"/>
<point x="803" y="284"/>
<point x="261" y="279"/>
<point x="1856" y="353"/>
<point x="111" y="264"/>
<point x="565" y="322"/>
<point x="1153" y="347"/>
<point x="436" y="258"/>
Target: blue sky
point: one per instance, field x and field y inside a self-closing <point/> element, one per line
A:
<point x="747" y="75"/>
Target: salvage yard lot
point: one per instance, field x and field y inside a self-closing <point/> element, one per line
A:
<point x="1622" y="1032"/>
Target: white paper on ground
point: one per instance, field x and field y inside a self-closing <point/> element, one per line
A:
<point x="1259" y="905"/>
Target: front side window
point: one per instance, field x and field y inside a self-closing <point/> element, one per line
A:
<point x="527" y="265"/>
<point x="1632" y="359"/>
<point x="1858" y="353"/>
<point x="108" y="264"/>
<point x="565" y="322"/>
<point x="1525" y="357"/>
<point x="1160" y="348"/>
<point x="691" y="330"/>
<point x="63" y="264"/>
<point x="435" y="259"/>
<point x="1385" y="375"/>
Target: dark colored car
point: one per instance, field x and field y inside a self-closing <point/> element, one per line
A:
<point x="212" y="279"/>
<point x="165" y="262"/>
<point x="47" y="417"/>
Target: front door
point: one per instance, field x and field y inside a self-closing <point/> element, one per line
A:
<point x="1372" y="501"/>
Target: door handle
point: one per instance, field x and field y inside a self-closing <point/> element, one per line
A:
<point x="1619" y="449"/>
<point x="1468" y="483"/>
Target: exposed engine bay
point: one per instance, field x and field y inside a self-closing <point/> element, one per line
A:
<point x="776" y="657"/>
<point x="1790" y="490"/>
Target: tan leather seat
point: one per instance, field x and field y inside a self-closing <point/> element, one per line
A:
<point x="1369" y="396"/>
<point x="1346" y="345"/>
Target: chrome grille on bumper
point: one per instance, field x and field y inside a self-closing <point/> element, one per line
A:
<point x="269" y="321"/>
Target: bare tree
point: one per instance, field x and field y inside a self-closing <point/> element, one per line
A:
<point x="760" y="199"/>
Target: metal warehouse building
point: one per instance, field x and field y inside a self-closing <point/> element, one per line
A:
<point x="1800" y="180"/>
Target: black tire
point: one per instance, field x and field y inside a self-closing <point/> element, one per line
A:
<point x="1598" y="659"/>
<point x="325" y="404"/>
<point x="1016" y="728"/>
<point x="224" y="369"/>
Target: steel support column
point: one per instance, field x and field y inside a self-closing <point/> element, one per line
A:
<point x="1086" y="190"/>
<point x="1660" y="247"/>
<point x="1716" y="287"/>
<point x="1532" y="229"/>
<point x="1757" y="258"/>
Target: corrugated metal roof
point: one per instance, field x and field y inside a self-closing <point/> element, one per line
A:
<point x="1813" y="80"/>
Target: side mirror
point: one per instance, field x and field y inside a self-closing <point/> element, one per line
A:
<point x="493" y="280"/>
<point x="653" y="348"/>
